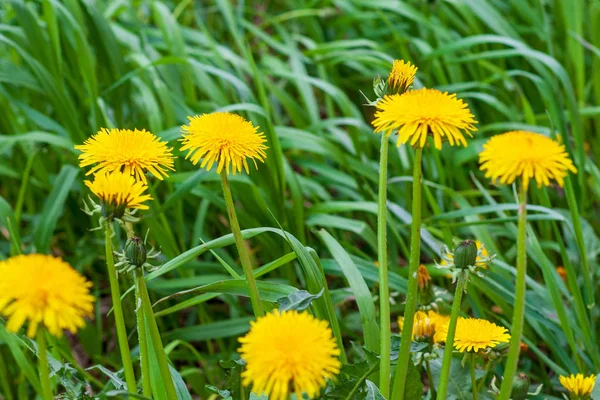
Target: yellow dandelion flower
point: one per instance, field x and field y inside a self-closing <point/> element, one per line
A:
<point x="473" y="334"/>
<point x="417" y="114"/>
<point x="289" y="351"/>
<point x="132" y="152"/>
<point x="527" y="155"/>
<point x="425" y="324"/>
<point x="42" y="289"/>
<point x="119" y="190"/>
<point x="423" y="277"/>
<point x="402" y="75"/>
<point x="225" y="138"/>
<point x="578" y="386"/>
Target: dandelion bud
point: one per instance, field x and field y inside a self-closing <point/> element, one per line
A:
<point x="135" y="251"/>
<point x="520" y="387"/>
<point x="465" y="254"/>
<point x="423" y="277"/>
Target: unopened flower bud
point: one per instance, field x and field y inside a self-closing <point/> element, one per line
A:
<point x="465" y="254"/>
<point x="135" y="251"/>
<point x="520" y="387"/>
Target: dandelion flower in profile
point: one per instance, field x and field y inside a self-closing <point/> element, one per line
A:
<point x="473" y="334"/>
<point x="402" y="75"/>
<point x="132" y="152"/>
<point x="118" y="191"/>
<point x="287" y="352"/>
<point x="223" y="138"/>
<point x="425" y="325"/>
<point x="41" y="289"/>
<point x="417" y="114"/>
<point x="578" y="386"/>
<point x="527" y="155"/>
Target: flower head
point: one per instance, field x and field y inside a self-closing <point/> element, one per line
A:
<point x="417" y="114"/>
<point x="118" y="191"/>
<point x="225" y="138"/>
<point x="473" y="334"/>
<point x="132" y="152"/>
<point x="423" y="277"/>
<point x="402" y="75"/>
<point x="42" y="289"/>
<point x="578" y="386"/>
<point x="289" y="351"/>
<point x="527" y="155"/>
<point x="425" y="324"/>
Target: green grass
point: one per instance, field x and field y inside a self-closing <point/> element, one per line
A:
<point x="296" y="69"/>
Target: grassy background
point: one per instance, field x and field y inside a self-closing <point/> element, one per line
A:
<point x="296" y="68"/>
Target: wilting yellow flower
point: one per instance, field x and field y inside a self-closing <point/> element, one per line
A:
<point x="225" y="138"/>
<point x="527" y="155"/>
<point x="289" y="351"/>
<point x="402" y="75"/>
<point x="417" y="114"/>
<point x="119" y="190"/>
<point x="473" y="334"/>
<point x="423" y="277"/>
<point x="132" y="152"/>
<point x="425" y="324"/>
<point x="42" y="289"/>
<point x="578" y="386"/>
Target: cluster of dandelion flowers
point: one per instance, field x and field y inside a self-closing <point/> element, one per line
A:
<point x="527" y="155"/>
<point x="578" y="386"/>
<point x="41" y="289"/>
<point x="402" y="75"/>
<point x="473" y="334"/>
<point x="132" y="152"/>
<point x="417" y="114"/>
<point x="289" y="351"/>
<point x="117" y="191"/>
<point x="223" y="138"/>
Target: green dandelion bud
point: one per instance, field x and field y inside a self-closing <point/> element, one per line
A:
<point x="465" y="254"/>
<point x="520" y="387"/>
<point x="136" y="251"/>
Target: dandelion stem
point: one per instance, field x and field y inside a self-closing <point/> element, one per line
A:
<point x="241" y="247"/>
<point x="161" y="356"/>
<point x="141" y="328"/>
<point x="411" y="294"/>
<point x="384" y="289"/>
<point x="474" y="378"/>
<point x="512" y="360"/>
<point x="430" y="379"/>
<point x="118" y="311"/>
<point x="43" y="363"/>
<point x="449" y="347"/>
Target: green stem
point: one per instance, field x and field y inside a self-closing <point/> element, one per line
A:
<point x="485" y="375"/>
<point x="384" y="289"/>
<point x="512" y="360"/>
<point x="411" y="295"/>
<point x="118" y="311"/>
<point x="23" y="188"/>
<point x="4" y="385"/>
<point x="430" y="379"/>
<point x="474" y="378"/>
<point x="141" y="328"/>
<point x="241" y="247"/>
<point x="161" y="356"/>
<point x="43" y="363"/>
<point x="449" y="346"/>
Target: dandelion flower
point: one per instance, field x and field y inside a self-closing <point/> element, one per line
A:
<point x="289" y="351"/>
<point x="132" y="152"/>
<point x="225" y="138"/>
<point x="425" y="324"/>
<point x="417" y="114"/>
<point x="42" y="289"/>
<point x="474" y="334"/>
<point x="402" y="75"/>
<point x="527" y="155"/>
<point x="423" y="277"/>
<point x="578" y="386"/>
<point x="117" y="191"/>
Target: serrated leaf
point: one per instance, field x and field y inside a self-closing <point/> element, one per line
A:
<point x="372" y="392"/>
<point x="299" y="300"/>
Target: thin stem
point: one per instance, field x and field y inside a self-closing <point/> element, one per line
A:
<point x="118" y="311"/>
<point x="485" y="375"/>
<point x="161" y="356"/>
<point x="474" y="378"/>
<point x="449" y="346"/>
<point x="23" y="188"/>
<point x="241" y="247"/>
<point x="411" y="294"/>
<point x="4" y="385"/>
<point x="384" y="289"/>
<point x="512" y="360"/>
<point x="430" y="379"/>
<point x="43" y="363"/>
<point x="141" y="328"/>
